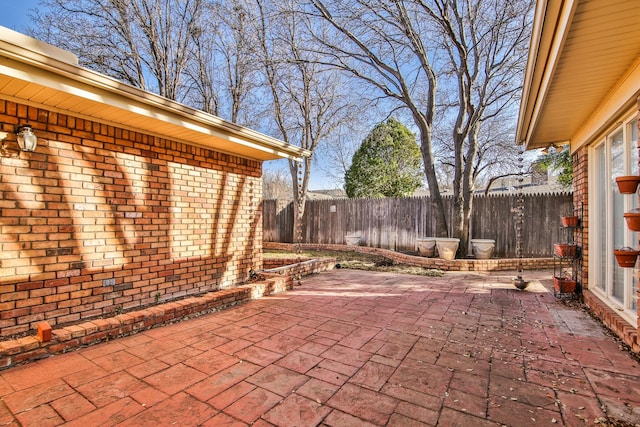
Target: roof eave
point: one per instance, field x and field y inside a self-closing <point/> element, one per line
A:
<point x="551" y="22"/>
<point x="87" y="84"/>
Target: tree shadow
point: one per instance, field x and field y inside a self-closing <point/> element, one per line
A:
<point x="122" y="220"/>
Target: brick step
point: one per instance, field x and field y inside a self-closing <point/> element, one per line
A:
<point x="53" y="341"/>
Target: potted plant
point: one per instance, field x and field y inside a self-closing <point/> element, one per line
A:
<point x="626" y="257"/>
<point x="628" y="184"/>
<point x="633" y="219"/>
<point x="569" y="221"/>
<point x="565" y="250"/>
<point x="564" y="284"/>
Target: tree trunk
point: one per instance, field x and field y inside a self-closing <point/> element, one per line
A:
<point x="437" y="204"/>
<point x="468" y="179"/>
<point x="300" y="174"/>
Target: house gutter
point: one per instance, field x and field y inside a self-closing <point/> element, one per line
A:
<point x="87" y="84"/>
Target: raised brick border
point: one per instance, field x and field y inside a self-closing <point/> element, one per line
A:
<point x="296" y="267"/>
<point x="612" y="320"/>
<point x="14" y="352"/>
<point x="497" y="264"/>
<point x="269" y="263"/>
<point x="29" y="348"/>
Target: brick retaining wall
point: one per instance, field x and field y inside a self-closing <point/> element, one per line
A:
<point x="296" y="267"/>
<point x="269" y="263"/>
<point x="53" y="341"/>
<point x="497" y="264"/>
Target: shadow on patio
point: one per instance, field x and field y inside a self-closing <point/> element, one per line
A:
<point x="347" y="348"/>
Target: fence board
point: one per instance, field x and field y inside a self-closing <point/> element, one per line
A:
<point x="396" y="223"/>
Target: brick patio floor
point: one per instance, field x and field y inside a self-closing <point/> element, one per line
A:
<point x="346" y="348"/>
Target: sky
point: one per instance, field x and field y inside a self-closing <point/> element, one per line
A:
<point x="15" y="15"/>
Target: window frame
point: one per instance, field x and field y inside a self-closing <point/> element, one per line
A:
<point x="627" y="308"/>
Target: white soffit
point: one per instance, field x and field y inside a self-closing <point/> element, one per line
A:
<point x="597" y="47"/>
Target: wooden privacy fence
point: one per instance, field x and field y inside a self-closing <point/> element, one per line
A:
<point x="396" y="223"/>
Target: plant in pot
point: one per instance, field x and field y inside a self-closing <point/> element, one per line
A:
<point x="569" y="221"/>
<point x="628" y="184"/>
<point x="626" y="257"/>
<point x="565" y="250"/>
<point x="633" y="219"/>
<point x="564" y="284"/>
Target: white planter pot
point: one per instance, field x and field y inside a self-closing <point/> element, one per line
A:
<point x="352" y="240"/>
<point x="483" y="248"/>
<point x="426" y="246"/>
<point x="447" y="247"/>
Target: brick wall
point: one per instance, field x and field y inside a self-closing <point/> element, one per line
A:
<point x="269" y="263"/>
<point x="581" y="206"/>
<point x="494" y="264"/>
<point x="101" y="220"/>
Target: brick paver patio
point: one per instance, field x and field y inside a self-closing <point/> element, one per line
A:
<point x="346" y="348"/>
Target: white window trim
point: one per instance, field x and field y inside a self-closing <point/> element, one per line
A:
<point x="628" y="313"/>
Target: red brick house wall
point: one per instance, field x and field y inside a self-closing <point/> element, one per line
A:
<point x="102" y="219"/>
<point x="581" y="205"/>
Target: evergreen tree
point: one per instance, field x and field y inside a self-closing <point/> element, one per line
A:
<point x="387" y="164"/>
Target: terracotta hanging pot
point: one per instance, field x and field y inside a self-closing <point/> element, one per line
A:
<point x="633" y="219"/>
<point x="628" y="184"/>
<point x="563" y="285"/>
<point x="565" y="250"/>
<point x="569" y="221"/>
<point x="626" y="257"/>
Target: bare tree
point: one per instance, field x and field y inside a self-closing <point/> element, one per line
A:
<point x="201" y="72"/>
<point x="308" y="99"/>
<point x="276" y="185"/>
<point x="222" y="71"/>
<point x="384" y="44"/>
<point x="497" y="155"/>
<point x="129" y="40"/>
<point x="486" y="45"/>
<point x="408" y="49"/>
<point x="236" y="48"/>
<point x="337" y="151"/>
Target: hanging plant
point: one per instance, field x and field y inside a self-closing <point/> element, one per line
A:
<point x="565" y="250"/>
<point x="560" y="162"/>
<point x="569" y="221"/>
<point x="633" y="219"/>
<point x="564" y="285"/>
<point x="626" y="257"/>
<point x="628" y="184"/>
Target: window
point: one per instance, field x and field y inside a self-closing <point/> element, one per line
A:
<point x="615" y="155"/>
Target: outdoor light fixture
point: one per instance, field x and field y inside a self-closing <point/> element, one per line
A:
<point x="27" y="140"/>
<point x="557" y="147"/>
